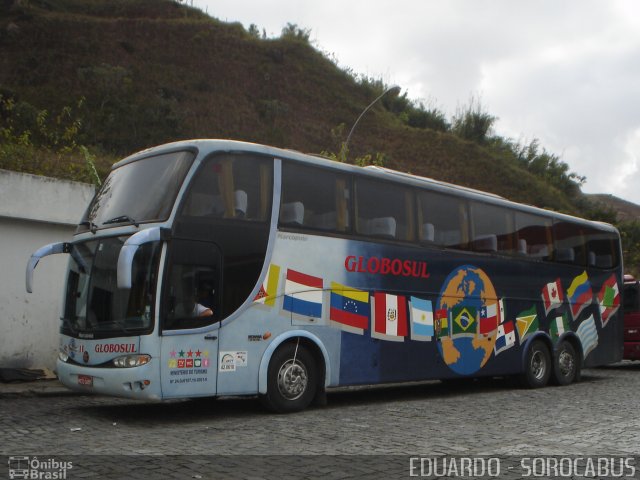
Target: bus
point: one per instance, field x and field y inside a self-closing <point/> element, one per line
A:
<point x="223" y="268"/>
<point x="631" y="318"/>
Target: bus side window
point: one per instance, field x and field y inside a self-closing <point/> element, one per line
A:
<point x="314" y="198"/>
<point x="603" y="249"/>
<point x="442" y="220"/>
<point x="493" y="229"/>
<point x="569" y="243"/>
<point x="384" y="210"/>
<point x="534" y="237"/>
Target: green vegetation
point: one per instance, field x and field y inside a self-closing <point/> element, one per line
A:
<point x="85" y="82"/>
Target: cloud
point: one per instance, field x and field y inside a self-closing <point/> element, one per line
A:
<point x="567" y="73"/>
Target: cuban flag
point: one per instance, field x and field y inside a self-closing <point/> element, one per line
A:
<point x="421" y="312"/>
<point x="389" y="317"/>
<point x="609" y="299"/>
<point x="552" y="296"/>
<point x="506" y="337"/>
<point x="303" y="294"/>
<point x="349" y="308"/>
<point x="588" y="335"/>
<point x="579" y="294"/>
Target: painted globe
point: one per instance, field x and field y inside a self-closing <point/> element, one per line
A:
<point x="466" y="320"/>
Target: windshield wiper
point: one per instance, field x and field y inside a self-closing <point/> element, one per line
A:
<point x="67" y="322"/>
<point x="121" y="219"/>
<point x="92" y="226"/>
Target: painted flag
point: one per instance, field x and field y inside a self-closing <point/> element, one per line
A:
<point x="421" y="312"/>
<point x="349" y="307"/>
<point x="303" y="294"/>
<point x="527" y="323"/>
<point x="609" y="299"/>
<point x="269" y="288"/>
<point x="489" y="318"/>
<point x="588" y="335"/>
<point x="389" y="317"/>
<point x="558" y="326"/>
<point x="441" y="323"/>
<point x="463" y="321"/>
<point x="552" y="296"/>
<point x="579" y="294"/>
<point x="506" y="337"/>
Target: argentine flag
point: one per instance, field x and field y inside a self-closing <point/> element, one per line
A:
<point x="421" y="312"/>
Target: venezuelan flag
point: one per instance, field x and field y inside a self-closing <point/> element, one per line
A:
<point x="349" y="306"/>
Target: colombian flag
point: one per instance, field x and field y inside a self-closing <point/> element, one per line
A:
<point x="349" y="306"/>
<point x="579" y="294"/>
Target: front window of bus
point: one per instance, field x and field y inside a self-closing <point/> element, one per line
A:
<point x="94" y="305"/>
<point x="141" y="191"/>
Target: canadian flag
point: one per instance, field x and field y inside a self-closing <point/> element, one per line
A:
<point x="552" y="296"/>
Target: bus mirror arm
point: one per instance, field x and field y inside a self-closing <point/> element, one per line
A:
<point x="51" y="249"/>
<point x="129" y="249"/>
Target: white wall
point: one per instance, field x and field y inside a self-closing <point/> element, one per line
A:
<point x="34" y="211"/>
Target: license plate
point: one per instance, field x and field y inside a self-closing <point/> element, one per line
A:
<point x="85" y="380"/>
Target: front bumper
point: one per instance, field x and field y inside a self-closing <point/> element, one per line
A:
<point x="137" y="382"/>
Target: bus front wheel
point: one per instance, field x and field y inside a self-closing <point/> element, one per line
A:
<point x="537" y="365"/>
<point x="291" y="379"/>
<point x="565" y="364"/>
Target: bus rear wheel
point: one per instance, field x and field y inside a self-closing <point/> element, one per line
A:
<point x="537" y="365"/>
<point x="566" y="364"/>
<point x="291" y="379"/>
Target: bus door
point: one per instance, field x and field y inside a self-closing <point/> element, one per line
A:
<point x="190" y="319"/>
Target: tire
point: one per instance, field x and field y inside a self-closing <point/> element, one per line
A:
<point x="537" y="366"/>
<point x="566" y="364"/>
<point x="291" y="387"/>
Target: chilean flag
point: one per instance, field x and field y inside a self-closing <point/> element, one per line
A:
<point x="389" y="317"/>
<point x="303" y="294"/>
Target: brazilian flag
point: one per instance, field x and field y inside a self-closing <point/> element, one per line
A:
<point x="463" y="320"/>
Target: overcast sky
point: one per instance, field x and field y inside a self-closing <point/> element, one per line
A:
<point x="565" y="72"/>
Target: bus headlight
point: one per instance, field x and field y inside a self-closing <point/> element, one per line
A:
<point x="127" y="361"/>
<point x="63" y="356"/>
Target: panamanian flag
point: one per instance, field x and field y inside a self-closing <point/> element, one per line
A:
<point x="349" y="308"/>
<point x="506" y="337"/>
<point x="421" y="312"/>
<point x="303" y="294"/>
<point x="389" y="317"/>
<point x="552" y="296"/>
<point x="609" y="299"/>
<point x="579" y="294"/>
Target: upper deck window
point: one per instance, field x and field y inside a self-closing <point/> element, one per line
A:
<point x="138" y="192"/>
<point x="314" y="198"/>
<point x="442" y="220"/>
<point x="231" y="186"/>
<point x="384" y="210"/>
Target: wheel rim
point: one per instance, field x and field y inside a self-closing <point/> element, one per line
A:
<point x="538" y="365"/>
<point x="566" y="363"/>
<point x="292" y="380"/>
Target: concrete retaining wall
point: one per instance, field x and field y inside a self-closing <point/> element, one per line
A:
<point x="34" y="211"/>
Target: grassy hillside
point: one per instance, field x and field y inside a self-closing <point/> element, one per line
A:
<point x="116" y="76"/>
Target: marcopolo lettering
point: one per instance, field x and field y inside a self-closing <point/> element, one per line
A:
<point x="116" y="348"/>
<point x="386" y="266"/>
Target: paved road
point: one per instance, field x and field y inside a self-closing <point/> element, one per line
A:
<point x="237" y="438"/>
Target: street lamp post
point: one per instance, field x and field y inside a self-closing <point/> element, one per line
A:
<point x="346" y="144"/>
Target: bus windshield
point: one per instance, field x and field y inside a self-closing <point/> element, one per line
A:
<point x="138" y="192"/>
<point x="95" y="307"/>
